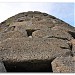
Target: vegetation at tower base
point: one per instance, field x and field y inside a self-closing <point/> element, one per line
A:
<point x="36" y="42"/>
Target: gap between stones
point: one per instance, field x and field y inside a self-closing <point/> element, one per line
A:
<point x="29" y="32"/>
<point x="58" y="38"/>
<point x="29" y="66"/>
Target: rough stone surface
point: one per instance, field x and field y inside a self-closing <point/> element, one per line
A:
<point x="22" y="49"/>
<point x="72" y="42"/>
<point x="64" y="65"/>
<point x="12" y="34"/>
<point x="30" y="41"/>
<point x="2" y="68"/>
<point x="52" y="34"/>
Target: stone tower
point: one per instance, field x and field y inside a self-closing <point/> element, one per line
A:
<point x="36" y="42"/>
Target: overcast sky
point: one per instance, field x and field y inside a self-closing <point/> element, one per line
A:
<point x="63" y="11"/>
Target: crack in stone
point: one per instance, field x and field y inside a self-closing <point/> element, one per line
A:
<point x="58" y="38"/>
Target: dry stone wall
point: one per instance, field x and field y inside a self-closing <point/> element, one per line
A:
<point x="37" y="42"/>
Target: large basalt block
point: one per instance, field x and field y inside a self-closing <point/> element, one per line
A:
<point x="23" y="49"/>
<point x="52" y="34"/>
<point x="63" y="65"/>
<point x="12" y="34"/>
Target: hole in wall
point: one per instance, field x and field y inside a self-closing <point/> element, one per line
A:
<point x="33" y="66"/>
<point x="29" y="32"/>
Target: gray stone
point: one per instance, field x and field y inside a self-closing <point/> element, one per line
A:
<point x="12" y="34"/>
<point x="63" y="65"/>
<point x="52" y="34"/>
<point x="25" y="49"/>
<point x="2" y="67"/>
<point x="72" y="43"/>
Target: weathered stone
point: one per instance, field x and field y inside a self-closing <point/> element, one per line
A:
<point x="2" y="68"/>
<point x="63" y="65"/>
<point x="52" y="34"/>
<point x="29" y="41"/>
<point x="10" y="29"/>
<point x="63" y="27"/>
<point x="12" y="34"/>
<point x="34" y="24"/>
<point x="23" y="49"/>
<point x="72" y="42"/>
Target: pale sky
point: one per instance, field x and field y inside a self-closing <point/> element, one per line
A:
<point x="63" y="11"/>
